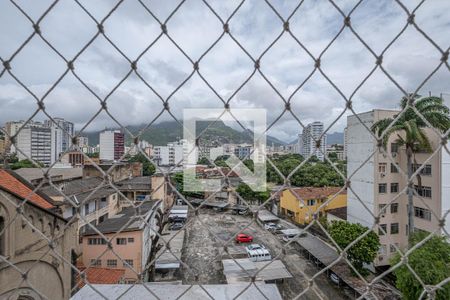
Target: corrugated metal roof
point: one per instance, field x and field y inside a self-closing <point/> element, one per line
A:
<point x="175" y="291"/>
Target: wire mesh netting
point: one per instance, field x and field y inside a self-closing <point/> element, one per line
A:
<point x="110" y="209"/>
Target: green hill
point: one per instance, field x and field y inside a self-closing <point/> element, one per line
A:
<point x="170" y="131"/>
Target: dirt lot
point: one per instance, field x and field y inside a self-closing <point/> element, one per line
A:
<point x="203" y="250"/>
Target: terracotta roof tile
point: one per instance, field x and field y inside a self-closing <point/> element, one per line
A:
<point x="11" y="183"/>
<point x="101" y="276"/>
<point x="307" y="193"/>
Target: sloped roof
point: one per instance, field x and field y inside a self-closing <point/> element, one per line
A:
<point x="16" y="185"/>
<point x="129" y="216"/>
<point x="101" y="276"/>
<point x="307" y="193"/>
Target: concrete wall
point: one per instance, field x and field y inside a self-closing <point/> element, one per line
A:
<point x="26" y="247"/>
<point x="445" y="184"/>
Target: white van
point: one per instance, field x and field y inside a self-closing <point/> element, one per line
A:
<point x="257" y="252"/>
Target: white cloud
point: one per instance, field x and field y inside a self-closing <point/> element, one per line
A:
<point x="68" y="28"/>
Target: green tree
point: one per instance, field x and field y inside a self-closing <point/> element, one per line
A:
<point x="93" y="155"/>
<point x="410" y="133"/>
<point x="431" y="262"/>
<point x="25" y="163"/>
<point x="364" y="251"/>
<point x="177" y="181"/>
<point x="203" y="161"/>
<point x="251" y="196"/>
<point x="148" y="168"/>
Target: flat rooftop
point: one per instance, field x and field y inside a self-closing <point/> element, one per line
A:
<point x="242" y="269"/>
<point x="170" y="259"/>
<point x="179" y="291"/>
<point x="266" y="216"/>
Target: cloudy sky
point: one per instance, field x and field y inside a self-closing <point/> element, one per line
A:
<point x="226" y="66"/>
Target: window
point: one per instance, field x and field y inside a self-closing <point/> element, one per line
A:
<point x="111" y="263"/>
<point x="311" y="202"/>
<point x="394" y="148"/>
<point x="382" y="168"/>
<point x="130" y="240"/>
<point x="129" y="262"/>
<point x="86" y="209"/>
<point x="74" y="211"/>
<point x="382" y="249"/>
<point x="422" y="213"/>
<point x="381" y="207"/>
<point x="96" y="262"/>
<point x="424" y="191"/>
<point x="96" y="241"/>
<point x="2" y="237"/>
<point x="394" y="187"/>
<point x="394" y="228"/>
<point x="392" y="248"/>
<point x="102" y="218"/>
<point x="382" y="188"/>
<point x="121" y="241"/>
<point x="384" y="227"/>
<point x="425" y="171"/>
<point x="394" y="168"/>
<point x="394" y="208"/>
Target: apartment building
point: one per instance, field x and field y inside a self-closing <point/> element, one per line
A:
<point x="311" y="133"/>
<point x="169" y="155"/>
<point x="313" y="197"/>
<point x="132" y="241"/>
<point x="243" y="151"/>
<point x="112" y="145"/>
<point x="11" y="129"/>
<point x="62" y="132"/>
<point x="83" y="141"/>
<point x="35" y="141"/>
<point x="95" y="204"/>
<point x="379" y="181"/>
<point x="337" y="149"/>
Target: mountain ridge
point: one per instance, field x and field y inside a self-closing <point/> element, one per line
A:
<point x="169" y="131"/>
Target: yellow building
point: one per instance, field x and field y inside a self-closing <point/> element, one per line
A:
<point x="313" y="197"/>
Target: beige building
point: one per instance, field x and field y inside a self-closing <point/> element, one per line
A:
<point x="23" y="245"/>
<point x="378" y="182"/>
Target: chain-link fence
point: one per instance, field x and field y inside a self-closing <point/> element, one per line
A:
<point x="33" y="246"/>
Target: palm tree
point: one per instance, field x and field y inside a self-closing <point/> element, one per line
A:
<point x="409" y="129"/>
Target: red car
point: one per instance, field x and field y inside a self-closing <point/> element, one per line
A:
<point x="244" y="238"/>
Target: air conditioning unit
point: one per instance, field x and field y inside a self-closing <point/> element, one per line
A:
<point x="394" y="154"/>
<point x="382" y="174"/>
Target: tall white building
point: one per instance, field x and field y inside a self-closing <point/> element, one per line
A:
<point x="61" y="131"/>
<point x="311" y="133"/>
<point x="377" y="182"/>
<point x="35" y="141"/>
<point x="83" y="141"/>
<point x="169" y="155"/>
<point x="112" y="145"/>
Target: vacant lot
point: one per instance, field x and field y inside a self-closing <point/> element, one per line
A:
<point x="203" y="252"/>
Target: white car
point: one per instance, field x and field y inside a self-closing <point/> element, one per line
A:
<point x="272" y="226"/>
<point x="257" y="252"/>
<point x="334" y="278"/>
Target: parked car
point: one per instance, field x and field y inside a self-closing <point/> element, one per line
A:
<point x="272" y="226"/>
<point x="176" y="226"/>
<point x="244" y="238"/>
<point x="335" y="278"/>
<point x="288" y="237"/>
<point x="257" y="252"/>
